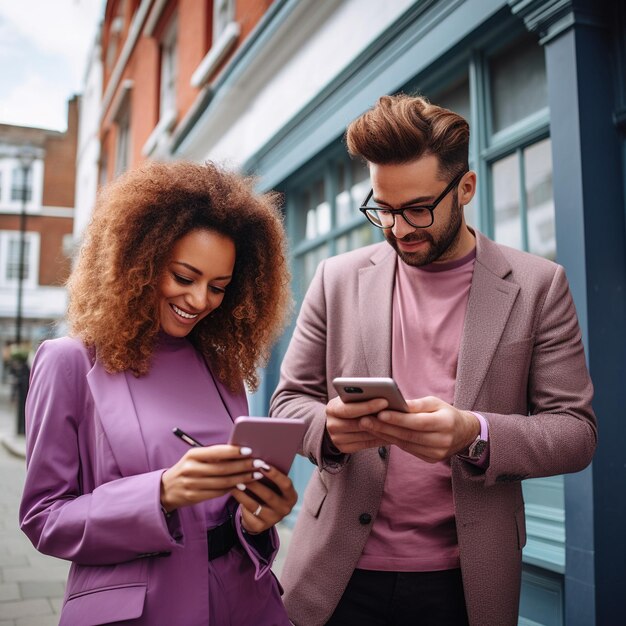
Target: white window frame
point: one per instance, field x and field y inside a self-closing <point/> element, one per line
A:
<point x="223" y="15"/>
<point x="169" y="70"/>
<point x="7" y="168"/>
<point x="31" y="260"/>
<point x="226" y="31"/>
<point x="122" y="147"/>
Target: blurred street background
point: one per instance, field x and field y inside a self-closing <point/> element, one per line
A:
<point x="31" y="584"/>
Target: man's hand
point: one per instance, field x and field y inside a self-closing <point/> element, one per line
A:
<point x="343" y="424"/>
<point x="433" y="430"/>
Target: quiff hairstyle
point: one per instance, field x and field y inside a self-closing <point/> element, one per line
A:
<point x="400" y="129"/>
<point x="113" y="290"/>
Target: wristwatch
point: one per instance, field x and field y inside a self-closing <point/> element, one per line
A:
<point x="478" y="446"/>
<point x="476" y="449"/>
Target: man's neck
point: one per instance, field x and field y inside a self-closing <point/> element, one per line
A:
<point x="461" y="247"/>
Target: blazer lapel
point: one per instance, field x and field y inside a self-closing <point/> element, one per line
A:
<point x="375" y="310"/>
<point x="236" y="402"/>
<point x="117" y="414"/>
<point x="490" y="302"/>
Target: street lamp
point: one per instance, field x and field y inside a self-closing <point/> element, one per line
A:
<point x="26" y="158"/>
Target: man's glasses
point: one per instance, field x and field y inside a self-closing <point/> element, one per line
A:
<point x="418" y="216"/>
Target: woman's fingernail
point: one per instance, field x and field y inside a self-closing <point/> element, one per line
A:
<point x="241" y="487"/>
<point x="260" y="464"/>
<point x="257" y="475"/>
<point x="245" y="451"/>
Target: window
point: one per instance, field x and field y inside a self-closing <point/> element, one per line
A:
<point x="323" y="206"/>
<point x="122" y="156"/>
<point x="169" y="69"/>
<point x="19" y="186"/>
<point x="10" y="259"/>
<point x="223" y="15"/>
<point x="523" y="202"/>
<point x="519" y="86"/>
<point x="12" y="271"/>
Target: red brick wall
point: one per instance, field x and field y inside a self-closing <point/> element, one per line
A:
<point x="60" y="163"/>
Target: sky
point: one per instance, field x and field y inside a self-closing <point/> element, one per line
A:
<point x="44" y="47"/>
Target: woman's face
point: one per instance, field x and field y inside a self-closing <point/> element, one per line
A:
<point x="195" y="280"/>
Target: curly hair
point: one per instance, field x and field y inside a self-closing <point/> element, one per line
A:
<point x="402" y="128"/>
<point x="113" y="289"/>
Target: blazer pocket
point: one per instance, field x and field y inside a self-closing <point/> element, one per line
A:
<point x="520" y="520"/>
<point x="104" y="606"/>
<point x="315" y="495"/>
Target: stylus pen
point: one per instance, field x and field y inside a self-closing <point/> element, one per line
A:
<point x="188" y="439"/>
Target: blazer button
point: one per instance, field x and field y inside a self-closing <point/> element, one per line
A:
<point x="365" y="518"/>
<point x="382" y="452"/>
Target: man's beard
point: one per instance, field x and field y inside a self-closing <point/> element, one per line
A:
<point x="440" y="246"/>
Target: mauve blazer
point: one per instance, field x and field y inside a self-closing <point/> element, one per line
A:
<point x="521" y="364"/>
<point x="92" y="498"/>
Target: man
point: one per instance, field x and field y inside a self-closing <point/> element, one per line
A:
<point x="418" y="518"/>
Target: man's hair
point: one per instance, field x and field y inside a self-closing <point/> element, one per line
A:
<point x="400" y="129"/>
<point x="113" y="290"/>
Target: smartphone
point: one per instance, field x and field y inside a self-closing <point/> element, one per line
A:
<point x="275" y="440"/>
<point x="361" y="389"/>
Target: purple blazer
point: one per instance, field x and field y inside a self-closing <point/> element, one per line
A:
<point x="91" y="497"/>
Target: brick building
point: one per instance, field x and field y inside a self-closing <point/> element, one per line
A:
<point x="37" y="177"/>
<point x="161" y="61"/>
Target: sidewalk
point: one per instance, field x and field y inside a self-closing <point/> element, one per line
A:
<point x="31" y="584"/>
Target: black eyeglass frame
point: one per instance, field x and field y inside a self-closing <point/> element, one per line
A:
<point x="429" y="207"/>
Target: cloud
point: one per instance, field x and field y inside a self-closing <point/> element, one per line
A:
<point x="35" y="102"/>
<point x="44" y="47"/>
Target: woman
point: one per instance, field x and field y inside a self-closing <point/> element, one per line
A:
<point x="179" y="291"/>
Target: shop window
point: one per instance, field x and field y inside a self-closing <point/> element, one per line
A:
<point x="518" y="81"/>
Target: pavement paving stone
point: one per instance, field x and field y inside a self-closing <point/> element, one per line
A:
<point x="41" y="588"/>
<point x="25" y="608"/>
<point x="42" y="620"/>
<point x="9" y="591"/>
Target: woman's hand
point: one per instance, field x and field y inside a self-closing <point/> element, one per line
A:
<point x="207" y="472"/>
<point x="259" y="516"/>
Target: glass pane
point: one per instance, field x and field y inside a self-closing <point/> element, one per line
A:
<point x="352" y="187"/>
<point x="361" y="236"/>
<point x="310" y="261"/>
<point x="471" y="212"/>
<point x="13" y="260"/>
<point x="17" y="184"/>
<point x="518" y="83"/>
<point x="317" y="210"/>
<point x="457" y="98"/>
<point x="540" y="200"/>
<point x="505" y="187"/>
